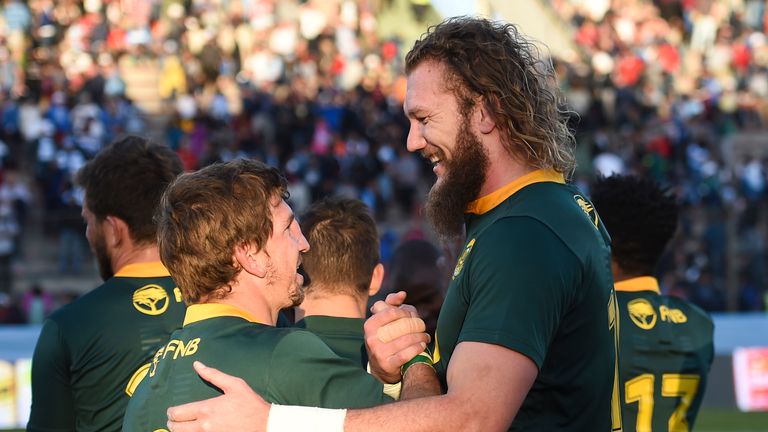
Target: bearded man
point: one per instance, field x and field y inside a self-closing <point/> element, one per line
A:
<point x="92" y="353"/>
<point x="525" y="340"/>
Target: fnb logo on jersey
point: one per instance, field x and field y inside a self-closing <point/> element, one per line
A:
<point x="643" y="314"/>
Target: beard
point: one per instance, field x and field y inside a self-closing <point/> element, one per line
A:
<point x="103" y="258"/>
<point x="296" y="295"/>
<point x="464" y="176"/>
<point x="295" y="288"/>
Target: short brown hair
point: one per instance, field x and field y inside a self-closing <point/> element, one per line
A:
<point x="204" y="215"/>
<point x="344" y="246"/>
<point x="126" y="180"/>
<point x="494" y="61"/>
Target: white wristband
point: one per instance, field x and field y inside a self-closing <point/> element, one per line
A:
<point x="287" y="418"/>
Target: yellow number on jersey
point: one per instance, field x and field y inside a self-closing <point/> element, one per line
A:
<point x="613" y="326"/>
<point x="683" y="386"/>
<point x="640" y="390"/>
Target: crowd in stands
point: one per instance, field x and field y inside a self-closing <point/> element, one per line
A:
<point x="678" y="91"/>
<point x="666" y="88"/>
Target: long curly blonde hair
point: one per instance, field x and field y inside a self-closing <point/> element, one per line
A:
<point x="494" y="61"/>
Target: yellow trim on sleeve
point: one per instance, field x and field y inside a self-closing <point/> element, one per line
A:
<point x="148" y="269"/>
<point x="642" y="283"/>
<point x="199" y="312"/>
<point x="490" y="201"/>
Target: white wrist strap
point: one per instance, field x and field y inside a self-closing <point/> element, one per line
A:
<point x="288" y="418"/>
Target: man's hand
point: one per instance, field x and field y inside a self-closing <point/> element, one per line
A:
<point x="393" y="335"/>
<point x="239" y="408"/>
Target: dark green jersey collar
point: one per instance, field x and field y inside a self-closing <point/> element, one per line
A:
<point x="490" y="201"/>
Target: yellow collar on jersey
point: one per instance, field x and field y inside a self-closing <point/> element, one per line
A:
<point x="642" y="283"/>
<point x="199" y="312"/>
<point x="490" y="201"/>
<point x="143" y="270"/>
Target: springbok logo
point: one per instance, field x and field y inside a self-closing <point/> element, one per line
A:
<point x="588" y="208"/>
<point x="462" y="258"/>
<point x="150" y="300"/>
<point x="642" y="313"/>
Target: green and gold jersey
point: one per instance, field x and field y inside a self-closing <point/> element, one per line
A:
<point x="287" y="366"/>
<point x="666" y="350"/>
<point x="91" y="353"/>
<point x="345" y="336"/>
<point x="535" y="277"/>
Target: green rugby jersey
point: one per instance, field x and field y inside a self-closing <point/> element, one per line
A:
<point x="535" y="277"/>
<point x="666" y="351"/>
<point x="345" y="336"/>
<point x="93" y="352"/>
<point x="287" y="366"/>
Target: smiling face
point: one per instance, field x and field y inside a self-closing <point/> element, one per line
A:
<point x="433" y="114"/>
<point x="283" y="251"/>
<point x="444" y="136"/>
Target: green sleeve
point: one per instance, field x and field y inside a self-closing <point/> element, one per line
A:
<point x="521" y="281"/>
<point x="53" y="405"/>
<point x="304" y="371"/>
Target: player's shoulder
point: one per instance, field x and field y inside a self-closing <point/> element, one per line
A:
<point x="565" y="212"/>
<point x="259" y="339"/>
<point x="297" y="340"/>
<point x="83" y="307"/>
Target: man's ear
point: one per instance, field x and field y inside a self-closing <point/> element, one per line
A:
<point x="484" y="119"/>
<point x="251" y="259"/>
<point x="116" y="232"/>
<point x="376" y="280"/>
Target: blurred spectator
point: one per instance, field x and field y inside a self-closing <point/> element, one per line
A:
<point x="36" y="305"/>
<point x="71" y="230"/>
<point x="9" y="229"/>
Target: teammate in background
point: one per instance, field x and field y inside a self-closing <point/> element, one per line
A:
<point x="666" y="343"/>
<point x="232" y="243"/>
<point x="533" y="281"/>
<point x="343" y="269"/>
<point x="92" y="353"/>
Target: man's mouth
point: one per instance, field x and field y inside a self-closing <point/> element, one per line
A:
<point x="435" y="159"/>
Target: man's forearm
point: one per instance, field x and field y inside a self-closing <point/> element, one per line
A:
<point x="429" y="414"/>
<point x="420" y="381"/>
